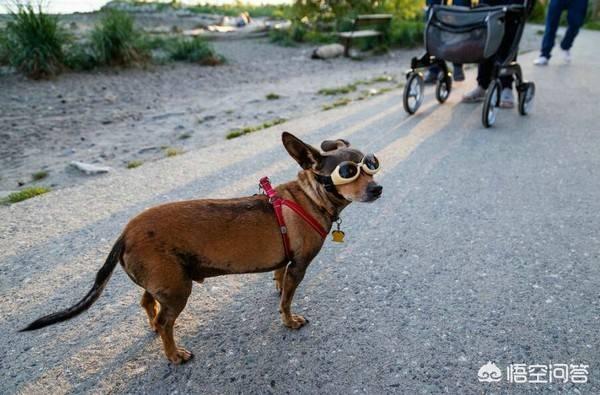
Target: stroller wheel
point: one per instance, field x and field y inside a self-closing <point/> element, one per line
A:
<point x="490" y="104"/>
<point x="443" y="88"/>
<point x="413" y="93"/>
<point x="526" y="95"/>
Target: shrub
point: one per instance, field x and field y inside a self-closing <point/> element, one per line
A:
<point x="406" y="33"/>
<point x="195" y="50"/>
<point x="115" y="40"/>
<point x="81" y="57"/>
<point x="25" y="194"/>
<point x="33" y="43"/>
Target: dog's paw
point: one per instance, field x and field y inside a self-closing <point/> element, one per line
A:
<point x="180" y="356"/>
<point x="295" y="321"/>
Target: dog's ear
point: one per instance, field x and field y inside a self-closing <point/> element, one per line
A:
<point x="330" y="145"/>
<point x="307" y="156"/>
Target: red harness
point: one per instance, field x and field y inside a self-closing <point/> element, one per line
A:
<point x="278" y="203"/>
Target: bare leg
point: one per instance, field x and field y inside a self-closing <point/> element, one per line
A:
<point x="292" y="278"/>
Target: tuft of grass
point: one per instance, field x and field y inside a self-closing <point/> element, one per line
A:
<point x="185" y="136"/>
<point x="116" y="41"/>
<point x="273" y="96"/>
<point x="195" y="50"/>
<point x="170" y="151"/>
<point x="338" y="103"/>
<point x="251" y="129"/>
<point x="81" y="57"/>
<point x="33" y="42"/>
<point x="25" y="194"/>
<point x="338" y="91"/>
<point x="134" y="163"/>
<point x="592" y="25"/>
<point x="39" y="175"/>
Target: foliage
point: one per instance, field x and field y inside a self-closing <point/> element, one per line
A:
<point x="33" y="43"/>
<point x="39" y="175"/>
<point x="134" y="163"/>
<point x="115" y="40"/>
<point x="194" y="50"/>
<point x="251" y="129"/>
<point x="406" y="33"/>
<point x="25" y="194"/>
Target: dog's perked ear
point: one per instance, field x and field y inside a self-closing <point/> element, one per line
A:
<point x="330" y="145"/>
<point x="306" y="155"/>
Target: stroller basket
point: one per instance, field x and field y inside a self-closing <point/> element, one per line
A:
<point x="463" y="35"/>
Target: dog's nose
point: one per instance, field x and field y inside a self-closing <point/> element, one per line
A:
<point x="374" y="189"/>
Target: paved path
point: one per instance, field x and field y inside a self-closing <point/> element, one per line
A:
<point x="485" y="246"/>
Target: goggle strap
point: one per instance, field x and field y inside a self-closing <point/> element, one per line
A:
<point x="327" y="182"/>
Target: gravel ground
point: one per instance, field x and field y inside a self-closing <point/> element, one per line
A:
<point x="113" y="117"/>
<point x="483" y="248"/>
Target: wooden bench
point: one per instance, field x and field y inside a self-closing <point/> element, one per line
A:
<point x="377" y="22"/>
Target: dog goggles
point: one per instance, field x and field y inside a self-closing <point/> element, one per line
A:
<point x="348" y="171"/>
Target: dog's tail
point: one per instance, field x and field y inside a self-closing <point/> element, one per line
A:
<point x="102" y="278"/>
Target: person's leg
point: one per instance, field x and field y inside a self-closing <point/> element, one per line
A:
<point x="555" y="8"/>
<point x="484" y="73"/>
<point x="575" y="18"/>
<point x="484" y="77"/>
<point x="458" y="74"/>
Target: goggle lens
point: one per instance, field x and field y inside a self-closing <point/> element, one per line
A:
<point x="348" y="170"/>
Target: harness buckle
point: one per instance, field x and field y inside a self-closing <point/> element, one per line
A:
<point x="283" y="229"/>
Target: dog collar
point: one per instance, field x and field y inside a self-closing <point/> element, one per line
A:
<point x="278" y="202"/>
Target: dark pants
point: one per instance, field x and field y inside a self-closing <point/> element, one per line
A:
<point x="576" y="11"/>
<point x="484" y="75"/>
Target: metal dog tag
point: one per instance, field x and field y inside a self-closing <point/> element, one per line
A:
<point x="338" y="236"/>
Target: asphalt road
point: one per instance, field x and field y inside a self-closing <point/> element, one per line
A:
<point x="484" y="247"/>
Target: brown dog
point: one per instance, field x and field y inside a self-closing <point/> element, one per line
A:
<point x="166" y="248"/>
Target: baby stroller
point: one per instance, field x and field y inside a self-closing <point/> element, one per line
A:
<point x="472" y="35"/>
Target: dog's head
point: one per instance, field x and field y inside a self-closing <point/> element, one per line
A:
<point x="343" y="171"/>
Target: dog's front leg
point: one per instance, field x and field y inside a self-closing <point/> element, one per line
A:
<point x="293" y="275"/>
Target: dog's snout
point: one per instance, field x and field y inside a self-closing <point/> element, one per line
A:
<point x="374" y="189"/>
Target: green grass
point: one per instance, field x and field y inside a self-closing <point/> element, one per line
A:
<point x="407" y="34"/>
<point x="273" y="96"/>
<point x="25" y="194"/>
<point x="170" y="151"/>
<point x="39" y="175"/>
<point x="195" y="50"/>
<point x="341" y="90"/>
<point x="33" y="42"/>
<point x="338" y="103"/>
<point x="592" y="25"/>
<point x="251" y="129"/>
<point x="116" y="42"/>
<point x="134" y="163"/>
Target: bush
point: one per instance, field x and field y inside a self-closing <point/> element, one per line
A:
<point x="406" y="33"/>
<point x="81" y="57"/>
<point x="33" y="43"/>
<point x="195" y="50"/>
<point x="115" y="41"/>
<point x="4" y="58"/>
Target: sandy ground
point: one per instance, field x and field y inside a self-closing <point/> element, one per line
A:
<point x="114" y="116"/>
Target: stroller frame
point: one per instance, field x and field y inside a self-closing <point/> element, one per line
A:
<point x="504" y="64"/>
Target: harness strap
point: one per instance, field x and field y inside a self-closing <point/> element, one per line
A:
<point x="278" y="202"/>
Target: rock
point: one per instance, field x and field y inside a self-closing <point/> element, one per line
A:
<point x="88" y="168"/>
<point x="328" y="51"/>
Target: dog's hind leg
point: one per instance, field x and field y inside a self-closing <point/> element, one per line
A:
<point x="292" y="277"/>
<point x="151" y="306"/>
<point x="172" y="302"/>
<point x="278" y="278"/>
